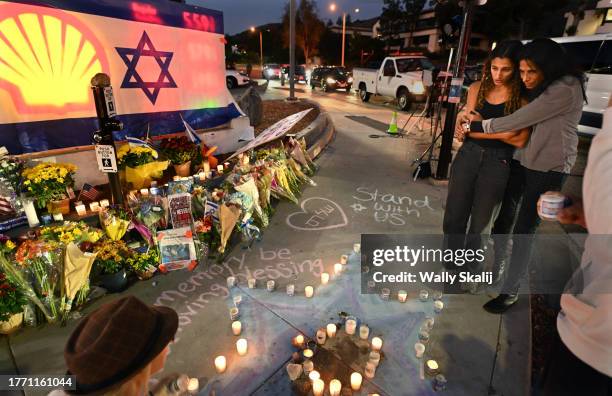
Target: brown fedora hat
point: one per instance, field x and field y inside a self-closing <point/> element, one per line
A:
<point x="116" y="341"/>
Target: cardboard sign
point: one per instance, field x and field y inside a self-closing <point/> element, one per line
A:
<point x="177" y="249"/>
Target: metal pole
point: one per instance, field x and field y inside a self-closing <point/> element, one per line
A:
<point x="292" y="50"/>
<point x="343" y="36"/>
<point x="451" y="110"/>
<point x="260" y="51"/>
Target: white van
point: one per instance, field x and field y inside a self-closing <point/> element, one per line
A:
<point x="594" y="55"/>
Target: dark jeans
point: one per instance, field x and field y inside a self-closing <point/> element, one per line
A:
<point x="534" y="184"/>
<point x="567" y="375"/>
<point x="475" y="191"/>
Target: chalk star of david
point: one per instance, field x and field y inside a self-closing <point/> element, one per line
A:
<point x="132" y="79"/>
<point x="357" y="207"/>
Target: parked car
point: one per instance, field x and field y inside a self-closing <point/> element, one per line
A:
<point x="271" y="71"/>
<point x="398" y="77"/>
<point x="234" y="79"/>
<point x="300" y="74"/>
<point x="331" y="78"/>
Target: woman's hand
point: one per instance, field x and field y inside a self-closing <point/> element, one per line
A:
<point x="474" y="116"/>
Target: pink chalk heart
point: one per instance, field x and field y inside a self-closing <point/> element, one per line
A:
<point x="317" y="214"/>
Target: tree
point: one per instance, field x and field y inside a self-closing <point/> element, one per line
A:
<point x="308" y="28"/>
<point x="413" y="9"/>
<point x="392" y="21"/>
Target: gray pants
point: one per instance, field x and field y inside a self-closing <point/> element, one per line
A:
<point x="475" y="192"/>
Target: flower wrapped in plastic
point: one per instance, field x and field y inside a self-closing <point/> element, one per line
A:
<point x="77" y="267"/>
<point x="70" y="231"/>
<point x="149" y="214"/>
<point x="249" y="187"/>
<point x="115" y="222"/>
<point x="228" y="218"/>
<point x="297" y="151"/>
<point x="140" y="165"/>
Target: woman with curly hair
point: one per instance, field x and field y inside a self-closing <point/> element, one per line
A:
<point x="481" y="169"/>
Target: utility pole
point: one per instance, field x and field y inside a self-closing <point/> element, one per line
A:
<point x="343" y="35"/>
<point x="451" y="110"/>
<point x="260" y="51"/>
<point x="292" y="50"/>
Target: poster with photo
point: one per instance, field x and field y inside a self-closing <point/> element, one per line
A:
<point x="177" y="249"/>
<point x="180" y="210"/>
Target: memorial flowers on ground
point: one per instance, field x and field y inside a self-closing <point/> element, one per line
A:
<point x="140" y="164"/>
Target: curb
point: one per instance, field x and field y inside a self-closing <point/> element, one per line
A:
<point x="319" y="133"/>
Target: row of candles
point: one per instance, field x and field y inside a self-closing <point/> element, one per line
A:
<point x="93" y="206"/>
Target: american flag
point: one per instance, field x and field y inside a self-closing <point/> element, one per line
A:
<point x="89" y="193"/>
<point x="5" y="207"/>
<point x="191" y="133"/>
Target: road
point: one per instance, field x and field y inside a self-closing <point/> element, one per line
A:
<point x="360" y="170"/>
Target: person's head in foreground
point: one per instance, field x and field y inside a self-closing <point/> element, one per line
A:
<point x="116" y="349"/>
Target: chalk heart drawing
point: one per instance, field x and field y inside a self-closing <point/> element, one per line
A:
<point x="318" y="214"/>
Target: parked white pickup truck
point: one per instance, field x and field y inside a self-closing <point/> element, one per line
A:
<point x="398" y="77"/>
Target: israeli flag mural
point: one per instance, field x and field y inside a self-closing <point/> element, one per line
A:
<point x="166" y="62"/>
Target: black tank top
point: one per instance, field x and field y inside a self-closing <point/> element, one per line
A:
<point x="488" y="111"/>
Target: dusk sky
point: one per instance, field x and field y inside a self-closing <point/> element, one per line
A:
<point x="239" y="15"/>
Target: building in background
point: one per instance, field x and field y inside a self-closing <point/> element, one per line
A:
<point x="596" y="19"/>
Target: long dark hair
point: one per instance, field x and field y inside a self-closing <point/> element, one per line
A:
<point x="509" y="49"/>
<point x="554" y="63"/>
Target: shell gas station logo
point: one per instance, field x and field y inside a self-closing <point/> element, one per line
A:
<point x="47" y="59"/>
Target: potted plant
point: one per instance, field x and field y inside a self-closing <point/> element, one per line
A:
<point x="138" y="165"/>
<point x="47" y="183"/>
<point x="180" y="151"/>
<point x="110" y="264"/>
<point x="12" y="301"/>
<point x="145" y="264"/>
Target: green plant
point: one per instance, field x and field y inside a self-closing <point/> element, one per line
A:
<point x="12" y="299"/>
<point x="179" y="150"/>
<point x="135" y="156"/>
<point x="143" y="262"/>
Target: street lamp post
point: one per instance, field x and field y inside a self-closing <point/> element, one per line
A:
<point x="260" y="48"/>
<point x="292" y="50"/>
<point x="332" y="8"/>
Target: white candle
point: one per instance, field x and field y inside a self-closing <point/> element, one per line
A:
<point x="30" y="211"/>
<point x="343" y="259"/>
<point x="236" y="327"/>
<point x="94" y="206"/>
<point x="364" y="332"/>
<point x="220" y="364"/>
<point x="104" y="203"/>
<point x="308" y="353"/>
<point x="299" y="340"/>
<point x="377" y="343"/>
<point x="374" y="358"/>
<point x="356" y="379"/>
<point x="350" y="326"/>
<point x="337" y="269"/>
<point x="234" y="312"/>
<point x="290" y="290"/>
<point x="402" y="295"/>
<point x="321" y="336"/>
<point x="419" y="350"/>
<point x="237" y="299"/>
<point x="81" y="210"/>
<point x="309" y="291"/>
<point x="252" y="283"/>
<point x="370" y="370"/>
<point x="193" y="385"/>
<point x="220" y="168"/>
<point x="245" y="160"/>
<point x="307" y="366"/>
<point x="318" y="387"/>
<point x="334" y="387"/>
<point x="144" y="192"/>
<point x="314" y="375"/>
<point x="331" y="330"/>
<point x="58" y="217"/>
<point x="270" y="285"/>
<point x="438" y="306"/>
<point x="357" y="247"/>
<point x="241" y="346"/>
<point x="176" y="178"/>
<point x="324" y="278"/>
<point x="231" y="281"/>
<point x="206" y="166"/>
<point x="432" y="367"/>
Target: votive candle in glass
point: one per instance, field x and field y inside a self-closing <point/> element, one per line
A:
<point x="356" y="380"/>
<point x="318" y="387"/>
<point x="314" y="375"/>
<point x="234" y="312"/>
<point x="343" y="259"/>
<point x="438" y="306"/>
<point x="337" y="269"/>
<point x="58" y="217"/>
<point x="357" y="247"/>
<point x="331" y="330"/>
<point x="370" y="370"/>
<point x="231" y="281"/>
<point x="423" y="295"/>
<point x="374" y="358"/>
<point x="270" y="285"/>
<point x="94" y="206"/>
<point x="350" y="326"/>
<point x="324" y="278"/>
<point x="431" y="367"/>
<point x="252" y="283"/>
<point x="309" y="291"/>
<point x="105" y="203"/>
<point x="385" y="293"/>
<point x="334" y="387"/>
<point x="237" y="299"/>
<point x="236" y="327"/>
<point x="402" y="295"/>
<point x="220" y="169"/>
<point x="307" y="366"/>
<point x="364" y="332"/>
<point x="220" y="364"/>
<point x="144" y="192"/>
<point x="308" y="353"/>
<point x="321" y="336"/>
<point x="206" y="166"/>
<point x="242" y="346"/>
<point x="419" y="350"/>
<point x="377" y="343"/>
<point x="290" y="290"/>
<point x="81" y="210"/>
<point x="299" y="340"/>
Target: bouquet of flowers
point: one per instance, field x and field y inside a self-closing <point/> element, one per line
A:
<point x="10" y="171"/>
<point x="115" y="222"/>
<point x="70" y="231"/>
<point x="12" y="299"/>
<point x="111" y="256"/>
<point x="140" y="165"/>
<point x="145" y="264"/>
<point x="48" y="182"/>
<point x="179" y="150"/>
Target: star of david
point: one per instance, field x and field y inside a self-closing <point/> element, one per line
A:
<point x="132" y="79"/>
